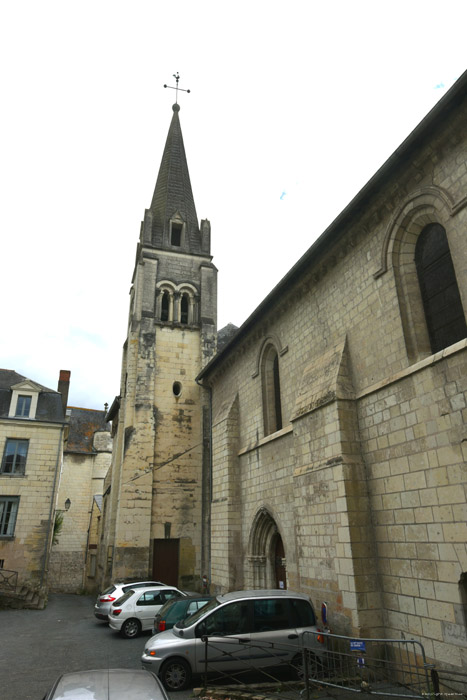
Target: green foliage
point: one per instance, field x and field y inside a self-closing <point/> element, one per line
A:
<point x="58" y="525"/>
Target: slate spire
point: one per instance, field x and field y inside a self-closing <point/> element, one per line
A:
<point x="173" y="196"/>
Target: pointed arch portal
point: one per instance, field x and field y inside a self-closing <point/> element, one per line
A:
<point x="267" y="554"/>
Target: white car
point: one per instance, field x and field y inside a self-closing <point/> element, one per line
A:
<point x="135" y="610"/>
<point x="114" y="592"/>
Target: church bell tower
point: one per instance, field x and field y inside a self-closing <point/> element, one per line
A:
<point x="160" y="420"/>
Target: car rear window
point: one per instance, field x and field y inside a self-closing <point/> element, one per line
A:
<point x="123" y="598"/>
<point x="176" y="611"/>
<point x="109" y="590"/>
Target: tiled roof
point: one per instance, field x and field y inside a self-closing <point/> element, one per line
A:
<point x="84" y="422"/>
<point x="49" y="404"/>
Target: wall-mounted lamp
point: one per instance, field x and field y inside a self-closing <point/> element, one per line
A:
<point x="67" y="504"/>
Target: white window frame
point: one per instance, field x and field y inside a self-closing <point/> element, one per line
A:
<point x="10" y="527"/>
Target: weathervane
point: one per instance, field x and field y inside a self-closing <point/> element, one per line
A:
<point x="176" y="88"/>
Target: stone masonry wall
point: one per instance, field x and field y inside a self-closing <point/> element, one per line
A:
<point x="366" y="480"/>
<point x="26" y="552"/>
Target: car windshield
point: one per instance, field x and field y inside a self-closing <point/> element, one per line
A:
<point x="198" y="614"/>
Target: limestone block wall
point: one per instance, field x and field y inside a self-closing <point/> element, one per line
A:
<point x="366" y="480"/>
<point x="81" y="479"/>
<point x="27" y="551"/>
<point x="178" y="448"/>
<point x="415" y="434"/>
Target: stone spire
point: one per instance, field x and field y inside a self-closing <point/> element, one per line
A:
<point x="173" y="196"/>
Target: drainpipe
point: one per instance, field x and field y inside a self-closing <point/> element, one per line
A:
<point x="206" y="499"/>
<point x="52" y="504"/>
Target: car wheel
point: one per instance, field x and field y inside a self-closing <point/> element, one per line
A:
<point x="315" y="666"/>
<point x="131" y="628"/>
<point x="176" y="674"/>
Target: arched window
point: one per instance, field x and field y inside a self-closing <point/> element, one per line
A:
<point x="184" y="306"/>
<point x="165" y="306"/>
<point x="441" y="300"/>
<point x="272" y="409"/>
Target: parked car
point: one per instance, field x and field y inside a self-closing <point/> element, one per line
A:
<point x="107" y="684"/>
<point x="178" y="609"/>
<point x="114" y="592"/>
<point x="135" y="610"/>
<point x="261" y="616"/>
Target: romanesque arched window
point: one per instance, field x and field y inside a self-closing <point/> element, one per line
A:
<point x="165" y="301"/>
<point x="417" y="244"/>
<point x="441" y="300"/>
<point x="270" y="376"/>
<point x="184" y="307"/>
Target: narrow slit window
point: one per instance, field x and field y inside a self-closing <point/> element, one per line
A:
<point x="271" y="388"/>
<point x="165" y="307"/>
<point x="176" y="234"/>
<point x="184" y="309"/>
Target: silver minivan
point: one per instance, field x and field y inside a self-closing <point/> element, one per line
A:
<point x="243" y="628"/>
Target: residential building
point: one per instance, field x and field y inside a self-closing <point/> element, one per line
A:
<point x="32" y="436"/>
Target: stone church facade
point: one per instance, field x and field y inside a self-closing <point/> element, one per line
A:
<point x="153" y="508"/>
<point x="339" y="409"/>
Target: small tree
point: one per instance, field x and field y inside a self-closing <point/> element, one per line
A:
<point x="58" y="525"/>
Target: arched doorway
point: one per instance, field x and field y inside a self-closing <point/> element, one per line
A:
<point x="267" y="560"/>
<point x="280" y="570"/>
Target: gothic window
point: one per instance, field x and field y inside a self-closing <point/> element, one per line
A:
<point x="272" y="409"/>
<point x="165" y="306"/>
<point x="442" y="304"/>
<point x="184" y="306"/>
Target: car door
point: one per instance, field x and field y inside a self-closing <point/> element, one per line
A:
<point x="146" y="606"/>
<point x="274" y="635"/>
<point x="227" y="630"/>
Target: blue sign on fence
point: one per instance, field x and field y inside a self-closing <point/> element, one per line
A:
<point x="357" y="645"/>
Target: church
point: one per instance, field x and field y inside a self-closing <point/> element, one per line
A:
<point x="322" y="448"/>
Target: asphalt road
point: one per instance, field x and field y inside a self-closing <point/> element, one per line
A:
<point x="38" y="645"/>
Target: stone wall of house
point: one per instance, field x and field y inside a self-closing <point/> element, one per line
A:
<point x="81" y="479"/>
<point x="26" y="552"/>
<point x="365" y="482"/>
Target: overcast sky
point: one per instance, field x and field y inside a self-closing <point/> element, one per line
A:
<point x="293" y="107"/>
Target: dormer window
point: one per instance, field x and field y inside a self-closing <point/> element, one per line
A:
<point x="176" y="230"/>
<point x="24" y="398"/>
<point x="23" y="406"/>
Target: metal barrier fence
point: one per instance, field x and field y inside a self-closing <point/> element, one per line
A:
<point x="8" y="579"/>
<point x="395" y="667"/>
<point x="386" y="667"/>
<point x="238" y="662"/>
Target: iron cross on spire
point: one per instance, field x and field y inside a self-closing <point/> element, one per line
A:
<point x="176" y="88"/>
